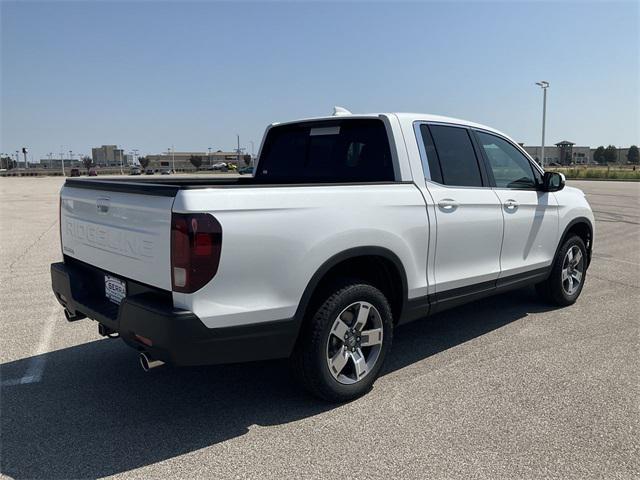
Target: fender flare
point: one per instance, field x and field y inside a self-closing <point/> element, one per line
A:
<point x="571" y="224"/>
<point x="339" y="258"/>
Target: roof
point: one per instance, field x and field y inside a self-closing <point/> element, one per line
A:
<point x="402" y="116"/>
<point x="565" y="142"/>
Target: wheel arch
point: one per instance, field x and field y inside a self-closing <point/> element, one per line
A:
<point x="384" y="262"/>
<point x="582" y="227"/>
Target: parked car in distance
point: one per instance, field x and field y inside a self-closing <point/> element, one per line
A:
<point x="135" y="171"/>
<point x="245" y="171"/>
<point x="351" y="226"/>
<point x="165" y="171"/>
<point x="219" y="166"/>
<point x="75" y="172"/>
<point x="232" y="166"/>
<point x="92" y="172"/>
<point x="149" y="171"/>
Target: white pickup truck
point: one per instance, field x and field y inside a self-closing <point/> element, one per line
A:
<point x="350" y="226"/>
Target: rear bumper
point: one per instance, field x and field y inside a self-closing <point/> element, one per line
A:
<point x="178" y="336"/>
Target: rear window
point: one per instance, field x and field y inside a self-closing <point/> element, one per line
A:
<point x="327" y="152"/>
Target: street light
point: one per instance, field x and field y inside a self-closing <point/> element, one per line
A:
<point x="62" y="161"/>
<point x="173" y="158"/>
<point x="544" y="85"/>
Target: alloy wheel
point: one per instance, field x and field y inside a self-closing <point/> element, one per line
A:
<point x="572" y="270"/>
<point x="354" y="343"/>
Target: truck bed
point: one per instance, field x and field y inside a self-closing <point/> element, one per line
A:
<point x="169" y="187"/>
<point x="158" y="186"/>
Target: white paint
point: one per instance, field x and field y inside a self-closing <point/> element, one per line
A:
<point x="38" y="360"/>
<point x="275" y="238"/>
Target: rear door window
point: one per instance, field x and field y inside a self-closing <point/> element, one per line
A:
<point x="331" y="151"/>
<point x="456" y="157"/>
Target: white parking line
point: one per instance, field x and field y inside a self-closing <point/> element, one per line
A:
<point x="38" y="360"/>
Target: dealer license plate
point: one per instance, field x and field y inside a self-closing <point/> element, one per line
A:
<point x="114" y="289"/>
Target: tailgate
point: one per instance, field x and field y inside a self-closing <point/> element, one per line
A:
<point x="124" y="233"/>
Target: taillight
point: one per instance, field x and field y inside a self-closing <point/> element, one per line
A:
<point x="196" y="242"/>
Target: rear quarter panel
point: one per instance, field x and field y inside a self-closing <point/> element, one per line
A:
<point x="276" y="238"/>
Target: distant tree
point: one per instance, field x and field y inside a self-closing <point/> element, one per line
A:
<point x="87" y="162"/>
<point x="144" y="162"/>
<point x="610" y="154"/>
<point x="598" y="155"/>
<point x="247" y="159"/>
<point x="196" y="161"/>
<point x="634" y="155"/>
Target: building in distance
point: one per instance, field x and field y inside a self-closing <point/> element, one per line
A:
<point x="183" y="159"/>
<point x="568" y="153"/>
<point x="56" y="163"/>
<point x="109" y="156"/>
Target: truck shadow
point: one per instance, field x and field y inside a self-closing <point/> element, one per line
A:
<point x="95" y="413"/>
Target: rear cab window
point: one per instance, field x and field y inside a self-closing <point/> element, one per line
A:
<point x="329" y="151"/>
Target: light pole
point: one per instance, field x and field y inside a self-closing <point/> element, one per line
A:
<point x="209" y="156"/>
<point x="544" y="85"/>
<point x="62" y="162"/>
<point x="238" y="161"/>
<point x="173" y="158"/>
<point x="135" y="155"/>
<point x="50" y="154"/>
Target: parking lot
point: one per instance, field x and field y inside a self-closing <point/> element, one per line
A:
<point x="503" y="388"/>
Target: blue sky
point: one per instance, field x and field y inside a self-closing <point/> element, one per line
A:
<point x="148" y="75"/>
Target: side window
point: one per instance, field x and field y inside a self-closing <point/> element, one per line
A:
<point x="457" y="159"/>
<point x="432" y="156"/>
<point x="511" y="169"/>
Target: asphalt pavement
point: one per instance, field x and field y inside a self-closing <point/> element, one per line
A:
<point x="500" y="389"/>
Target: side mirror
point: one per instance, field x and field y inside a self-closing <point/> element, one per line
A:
<point x="553" y="181"/>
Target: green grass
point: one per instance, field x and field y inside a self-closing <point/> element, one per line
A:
<point x="604" y="173"/>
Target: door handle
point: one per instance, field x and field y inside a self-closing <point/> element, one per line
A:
<point x="448" y="204"/>
<point x="510" y="204"/>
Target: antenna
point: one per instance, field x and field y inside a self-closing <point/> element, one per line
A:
<point x="340" y="111"/>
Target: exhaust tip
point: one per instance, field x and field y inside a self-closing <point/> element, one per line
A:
<point x="147" y="363"/>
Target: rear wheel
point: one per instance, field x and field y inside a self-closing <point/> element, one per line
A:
<point x="342" y="346"/>
<point x="564" y="285"/>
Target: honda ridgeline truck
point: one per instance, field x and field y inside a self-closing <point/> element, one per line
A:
<point x="351" y="226"/>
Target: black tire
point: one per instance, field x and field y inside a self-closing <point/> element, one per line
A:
<point x="309" y="359"/>
<point x="552" y="290"/>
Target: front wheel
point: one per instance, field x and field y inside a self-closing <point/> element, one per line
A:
<point x="343" y="343"/>
<point x="564" y="285"/>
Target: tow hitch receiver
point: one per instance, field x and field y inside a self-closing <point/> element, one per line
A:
<point x="107" y="332"/>
<point x="72" y="317"/>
